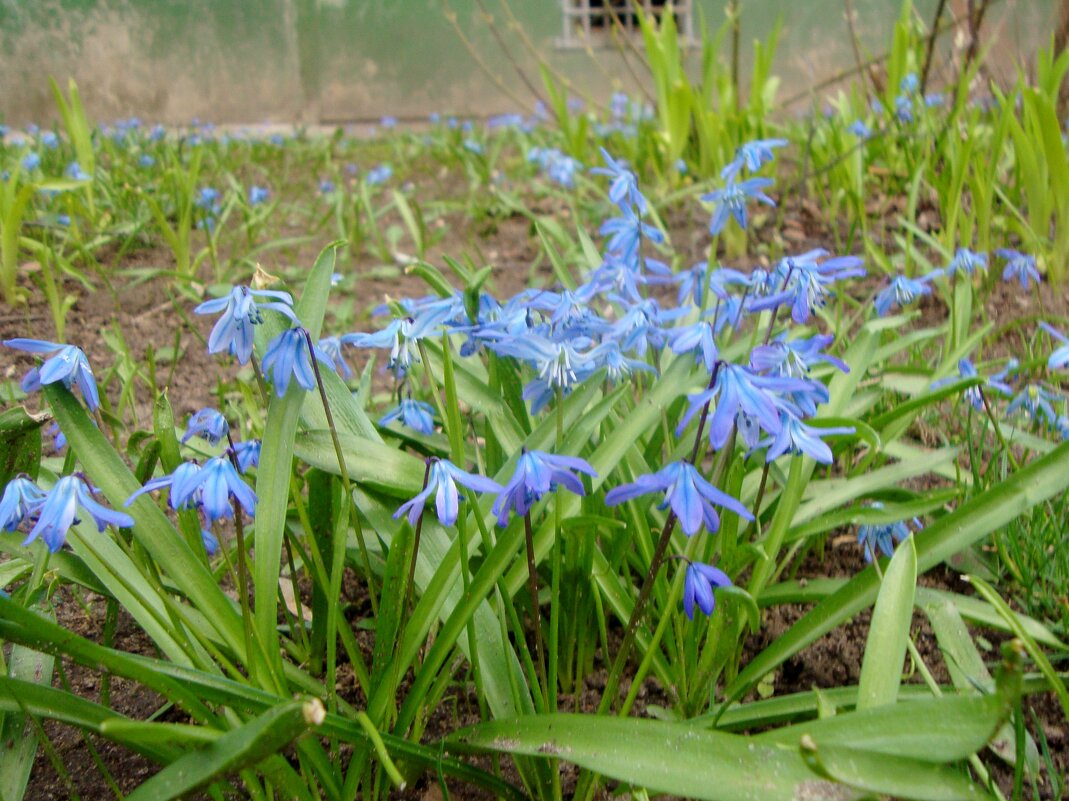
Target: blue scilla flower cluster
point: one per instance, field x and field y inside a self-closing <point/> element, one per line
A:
<point x="215" y="487"/>
<point x="555" y="165"/>
<point x="616" y="326"/>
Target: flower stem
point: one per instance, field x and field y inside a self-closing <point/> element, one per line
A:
<point x="344" y="475"/>
<point x="412" y="563"/>
<point x="536" y="619"/>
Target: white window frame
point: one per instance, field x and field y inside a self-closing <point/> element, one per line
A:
<point x="579" y="32"/>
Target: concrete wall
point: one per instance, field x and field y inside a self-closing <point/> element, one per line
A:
<point x="336" y="60"/>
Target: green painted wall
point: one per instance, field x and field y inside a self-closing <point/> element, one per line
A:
<point x="336" y="60"/>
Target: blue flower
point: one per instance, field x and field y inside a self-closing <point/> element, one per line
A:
<point x="379" y="175"/>
<point x="1038" y="402"/>
<point x="536" y="474"/>
<point x="59" y="509"/>
<point x="146" y="161"/>
<point x="876" y="537"/>
<point x="697" y="339"/>
<point x="555" y="165"/>
<point x="59" y="439"/>
<point x="690" y="496"/>
<point x="967" y="262"/>
<point x="698" y="587"/>
<point x="731" y="201"/>
<point x="75" y="172"/>
<point x="287" y="357"/>
<point x="258" y="195"/>
<point x="859" y="129"/>
<point x="247" y="454"/>
<point x="806" y="283"/>
<point x="442" y="480"/>
<point x="326" y="187"/>
<point x="50" y="140"/>
<point x="902" y="291"/>
<point x="625" y="234"/>
<point x="415" y="414"/>
<point x="332" y="347"/>
<point x="624" y="190"/>
<point x="30" y="162"/>
<point x="21" y="501"/>
<point x="68" y="364"/>
<point x="1059" y="359"/>
<point x="798" y="438"/>
<point x="737" y="388"/>
<point x="233" y="331"/>
<point x="609" y="356"/>
<point x="219" y="481"/>
<point x="559" y="364"/>
<point x="974" y="394"/>
<point x="207" y="423"/>
<point x="794" y="358"/>
<point x="182" y="483"/>
<point x="209" y="541"/>
<point x="752" y="155"/>
<point x="1019" y="266"/>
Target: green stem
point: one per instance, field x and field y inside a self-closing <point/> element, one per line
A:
<point x="536" y="618"/>
<point x="344" y="474"/>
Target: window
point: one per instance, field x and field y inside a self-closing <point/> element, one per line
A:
<point x="593" y="22"/>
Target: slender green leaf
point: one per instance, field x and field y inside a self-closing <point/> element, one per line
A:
<point x="885" y="649"/>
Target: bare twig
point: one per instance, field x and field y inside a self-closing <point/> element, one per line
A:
<point x="851" y="14"/>
<point x="976" y="19"/>
<point x="852" y="71"/>
<point x="489" y="19"/>
<point x="451" y="18"/>
<point x="930" y="49"/>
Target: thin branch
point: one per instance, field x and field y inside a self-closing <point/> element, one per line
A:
<point x="451" y="18"/>
<point x="851" y="14"/>
<point x="852" y="71"/>
<point x="489" y="19"/>
<point x="930" y="49"/>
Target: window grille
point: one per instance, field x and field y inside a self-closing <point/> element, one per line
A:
<point x="593" y="22"/>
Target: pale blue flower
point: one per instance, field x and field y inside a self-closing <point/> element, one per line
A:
<point x="698" y="587"/>
<point x="442" y="482"/>
<point x="287" y="357"/>
<point x="218" y="481"/>
<point x="59" y="509"/>
<point x="752" y="155"/>
<point x="379" y="175"/>
<point x="208" y="424"/>
<point x="731" y="201"/>
<point x="624" y="190"/>
<point x="691" y="497"/>
<point x="967" y="262"/>
<point x="415" y="414"/>
<point x="625" y="234"/>
<point x="233" y="331"/>
<point x="738" y="388"/>
<point x="1038" y="403"/>
<point x="1059" y="359"/>
<point x="21" y="502"/>
<point x="1019" y="266"/>
<point x="67" y="364"/>
<point x="903" y="290"/>
<point x="536" y="474"/>
<point x="247" y="454"/>
<point x="877" y="537"/>
<point x="182" y="487"/>
<point x="796" y="437"/>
